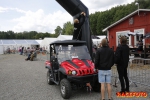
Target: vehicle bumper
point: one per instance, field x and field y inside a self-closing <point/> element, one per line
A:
<point x="83" y="79"/>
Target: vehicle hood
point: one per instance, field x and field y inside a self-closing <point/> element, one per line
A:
<point x="82" y="67"/>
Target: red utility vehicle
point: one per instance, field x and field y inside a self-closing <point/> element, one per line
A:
<point x="71" y="67"/>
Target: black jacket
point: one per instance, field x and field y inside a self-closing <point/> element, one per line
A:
<point x="77" y="34"/>
<point x="104" y="59"/>
<point x="122" y="56"/>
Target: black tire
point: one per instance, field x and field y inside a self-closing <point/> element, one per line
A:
<point x="96" y="86"/>
<point x="49" y="76"/>
<point x="65" y="88"/>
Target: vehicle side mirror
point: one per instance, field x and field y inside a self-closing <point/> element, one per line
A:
<point x="52" y="58"/>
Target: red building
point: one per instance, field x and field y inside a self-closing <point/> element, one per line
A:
<point x="137" y="22"/>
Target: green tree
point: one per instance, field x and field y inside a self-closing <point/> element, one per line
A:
<point x="32" y="34"/>
<point x="10" y="35"/>
<point x="98" y="21"/>
<point x="93" y="22"/>
<point x="58" y="30"/>
<point x="54" y="35"/>
<point x="67" y="28"/>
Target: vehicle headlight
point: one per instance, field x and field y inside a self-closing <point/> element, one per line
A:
<point x="74" y="72"/>
<point x="69" y="72"/>
<point x="94" y="70"/>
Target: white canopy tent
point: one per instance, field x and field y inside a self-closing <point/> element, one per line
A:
<point x="39" y="41"/>
<point x="98" y="41"/>
<point x="5" y="44"/>
<point x="16" y="44"/>
<point x="10" y="43"/>
<point x="46" y="41"/>
<point x="64" y="37"/>
<point x="1" y="48"/>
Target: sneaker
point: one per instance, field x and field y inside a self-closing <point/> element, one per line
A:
<point x="111" y="98"/>
<point x="127" y="90"/>
<point x="88" y="89"/>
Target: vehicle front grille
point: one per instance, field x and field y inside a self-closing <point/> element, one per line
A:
<point x="85" y="71"/>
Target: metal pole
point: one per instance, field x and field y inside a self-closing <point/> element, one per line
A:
<point x="138" y="7"/>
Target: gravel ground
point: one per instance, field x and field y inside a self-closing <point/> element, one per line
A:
<point x="26" y="80"/>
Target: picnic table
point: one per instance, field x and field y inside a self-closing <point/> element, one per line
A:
<point x="143" y="54"/>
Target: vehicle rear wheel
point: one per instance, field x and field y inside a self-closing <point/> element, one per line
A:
<point x="49" y="76"/>
<point x="65" y="88"/>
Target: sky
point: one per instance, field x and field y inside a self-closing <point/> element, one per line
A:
<point x="44" y="15"/>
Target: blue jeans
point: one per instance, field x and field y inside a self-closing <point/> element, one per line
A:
<point x="104" y="76"/>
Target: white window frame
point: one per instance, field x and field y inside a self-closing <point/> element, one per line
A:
<point x="123" y="33"/>
<point x="139" y="31"/>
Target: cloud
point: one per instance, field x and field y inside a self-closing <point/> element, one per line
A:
<point x="2" y="9"/>
<point x="41" y="22"/>
<point x="102" y="5"/>
<point x="18" y="10"/>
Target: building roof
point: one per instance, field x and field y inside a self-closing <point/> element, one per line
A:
<point x="124" y="18"/>
<point x="17" y="42"/>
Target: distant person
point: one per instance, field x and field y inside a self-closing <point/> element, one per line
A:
<point x="140" y="45"/>
<point x="104" y="60"/>
<point x="28" y="51"/>
<point x="33" y="55"/>
<point x="29" y="56"/>
<point x="40" y="49"/>
<point x="22" y="50"/>
<point x="8" y="50"/>
<point x="122" y="59"/>
<point x="78" y="22"/>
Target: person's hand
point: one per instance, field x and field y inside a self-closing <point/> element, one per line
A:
<point x="115" y="64"/>
<point x="83" y="13"/>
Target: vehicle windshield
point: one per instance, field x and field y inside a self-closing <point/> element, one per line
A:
<point x="68" y="52"/>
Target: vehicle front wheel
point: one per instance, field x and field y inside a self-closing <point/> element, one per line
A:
<point x="49" y="76"/>
<point x="65" y="88"/>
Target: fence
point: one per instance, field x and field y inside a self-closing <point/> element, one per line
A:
<point x="138" y="72"/>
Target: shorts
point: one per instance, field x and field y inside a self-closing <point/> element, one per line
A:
<point x="104" y="76"/>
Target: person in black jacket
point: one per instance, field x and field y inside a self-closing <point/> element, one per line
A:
<point x="122" y="59"/>
<point x="78" y="22"/>
<point x="104" y="60"/>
